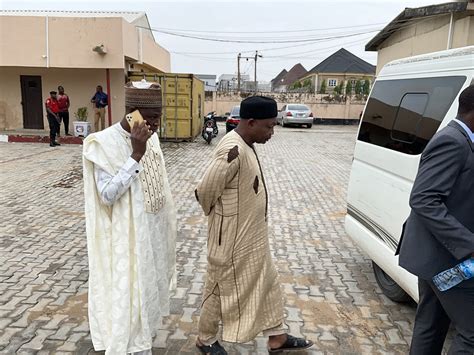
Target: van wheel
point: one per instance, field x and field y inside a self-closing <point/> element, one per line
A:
<point x="389" y="287"/>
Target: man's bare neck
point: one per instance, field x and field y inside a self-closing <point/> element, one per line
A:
<point x="244" y="136"/>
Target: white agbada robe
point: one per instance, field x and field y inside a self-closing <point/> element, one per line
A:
<point x="131" y="244"/>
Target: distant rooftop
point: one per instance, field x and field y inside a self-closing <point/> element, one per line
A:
<point x="206" y="76"/>
<point x="410" y="15"/>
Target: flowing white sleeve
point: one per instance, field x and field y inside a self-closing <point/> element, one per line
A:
<point x="111" y="188"/>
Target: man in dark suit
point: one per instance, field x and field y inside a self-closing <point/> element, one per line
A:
<point x="439" y="234"/>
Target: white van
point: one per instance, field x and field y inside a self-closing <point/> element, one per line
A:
<point x="411" y="99"/>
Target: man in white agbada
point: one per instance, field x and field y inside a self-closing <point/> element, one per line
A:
<point x="131" y="228"/>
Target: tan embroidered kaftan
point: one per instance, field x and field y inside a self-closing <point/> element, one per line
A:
<point x="233" y="194"/>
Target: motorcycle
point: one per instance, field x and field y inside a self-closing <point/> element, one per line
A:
<point x="209" y="129"/>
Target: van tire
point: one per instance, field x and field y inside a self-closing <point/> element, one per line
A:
<point x="389" y="287"/>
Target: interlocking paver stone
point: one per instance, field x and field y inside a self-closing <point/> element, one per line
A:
<point x="331" y="294"/>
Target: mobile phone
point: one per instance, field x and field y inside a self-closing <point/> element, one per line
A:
<point x="134" y="118"/>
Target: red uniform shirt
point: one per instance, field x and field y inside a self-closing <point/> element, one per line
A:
<point x="52" y="104"/>
<point x="63" y="102"/>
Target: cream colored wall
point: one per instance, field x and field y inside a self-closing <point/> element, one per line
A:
<point x="320" y="110"/>
<point x="23" y="41"/>
<point x="117" y="82"/>
<point x="153" y="55"/>
<point x="349" y="110"/>
<point x="470" y="37"/>
<point x="426" y="36"/>
<point x="79" y="84"/>
<point x="130" y="40"/>
<point x="463" y="29"/>
<point x="71" y="40"/>
<point x="143" y="22"/>
<point x="156" y="56"/>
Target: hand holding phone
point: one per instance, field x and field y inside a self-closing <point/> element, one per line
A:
<point x="134" y="118"/>
<point x="139" y="134"/>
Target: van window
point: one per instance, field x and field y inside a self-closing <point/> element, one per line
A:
<point x="404" y="114"/>
<point x="409" y="117"/>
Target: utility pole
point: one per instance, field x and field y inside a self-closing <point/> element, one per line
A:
<point x="238" y="72"/>
<point x="255" y="74"/>
<point x="239" y="57"/>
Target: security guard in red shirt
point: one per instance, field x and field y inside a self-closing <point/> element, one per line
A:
<point x="52" y="109"/>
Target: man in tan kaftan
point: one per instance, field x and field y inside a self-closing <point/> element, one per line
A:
<point x="242" y="289"/>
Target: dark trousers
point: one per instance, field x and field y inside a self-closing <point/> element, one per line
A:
<point x="53" y="127"/>
<point x="64" y="116"/>
<point x="436" y="310"/>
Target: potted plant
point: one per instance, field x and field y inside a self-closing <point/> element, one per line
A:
<point x="81" y="127"/>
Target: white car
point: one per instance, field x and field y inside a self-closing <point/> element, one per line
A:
<point x="410" y="101"/>
<point x="295" y="114"/>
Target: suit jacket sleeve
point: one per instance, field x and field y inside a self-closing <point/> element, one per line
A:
<point x="441" y="163"/>
<point x="223" y="168"/>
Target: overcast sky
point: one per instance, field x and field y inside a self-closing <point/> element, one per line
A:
<point x="289" y="24"/>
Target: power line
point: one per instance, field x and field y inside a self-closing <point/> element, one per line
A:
<point x="287" y="55"/>
<point x="406" y="23"/>
<point x="258" y="42"/>
<point x="290" y="56"/>
<point x="251" y="51"/>
<point x="273" y="56"/>
<point x="317" y="50"/>
<point x="288" y="31"/>
<point x="272" y="37"/>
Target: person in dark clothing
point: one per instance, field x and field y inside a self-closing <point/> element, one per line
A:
<point x="52" y="110"/>
<point x="100" y="101"/>
<point x="439" y="234"/>
<point x="64" y="103"/>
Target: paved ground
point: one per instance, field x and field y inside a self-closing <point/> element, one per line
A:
<point x="331" y="294"/>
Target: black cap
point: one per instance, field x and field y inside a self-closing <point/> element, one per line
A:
<point x="258" y="107"/>
<point x="53" y="92"/>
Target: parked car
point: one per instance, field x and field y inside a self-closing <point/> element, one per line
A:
<point x="233" y="119"/>
<point x="295" y="114"/>
<point x="412" y="99"/>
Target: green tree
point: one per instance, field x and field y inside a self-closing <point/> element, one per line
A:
<point x="358" y="87"/>
<point x="339" y="89"/>
<point x="322" y="90"/>
<point x="366" y="87"/>
<point x="349" y="88"/>
<point x="307" y="83"/>
<point x="297" y="85"/>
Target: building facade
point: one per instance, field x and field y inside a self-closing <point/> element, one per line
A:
<point x="340" y="67"/>
<point x="77" y="50"/>
<point x="209" y="82"/>
<point x="229" y="82"/>
<point x="424" y="30"/>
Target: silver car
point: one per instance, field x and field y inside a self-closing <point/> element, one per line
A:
<point x="295" y="114"/>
